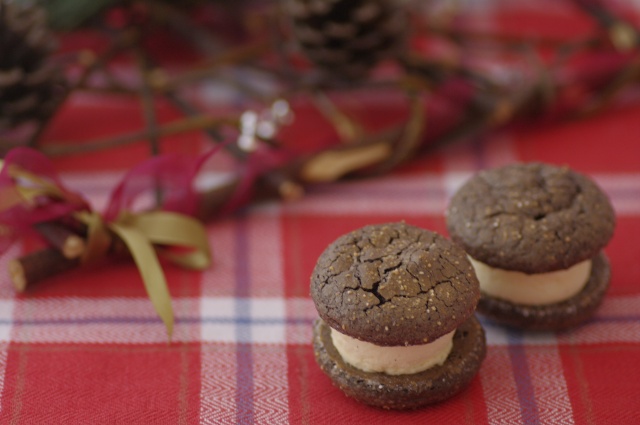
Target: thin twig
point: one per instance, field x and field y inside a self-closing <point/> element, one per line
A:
<point x="466" y="37"/>
<point x="626" y="76"/>
<point x="91" y="65"/>
<point x="198" y="122"/>
<point x="622" y="34"/>
<point x="410" y="139"/>
<point x="174" y="16"/>
<point x="70" y="244"/>
<point x="146" y="99"/>
<point x="348" y="130"/>
<point x="212" y="66"/>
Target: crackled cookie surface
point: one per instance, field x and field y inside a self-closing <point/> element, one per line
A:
<point x="531" y="217"/>
<point x="394" y="284"/>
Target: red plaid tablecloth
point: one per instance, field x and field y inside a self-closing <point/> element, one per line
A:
<point x="86" y="347"/>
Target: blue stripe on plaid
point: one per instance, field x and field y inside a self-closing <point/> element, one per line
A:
<point x="522" y="377"/>
<point x="244" y="360"/>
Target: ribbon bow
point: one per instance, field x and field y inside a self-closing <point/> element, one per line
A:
<point x="30" y="193"/>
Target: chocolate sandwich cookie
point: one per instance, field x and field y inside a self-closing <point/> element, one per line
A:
<point x="534" y="233"/>
<point x="396" y="327"/>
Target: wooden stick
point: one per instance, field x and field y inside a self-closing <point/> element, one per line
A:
<point x="279" y="184"/>
<point x="70" y="244"/>
<point x="37" y="266"/>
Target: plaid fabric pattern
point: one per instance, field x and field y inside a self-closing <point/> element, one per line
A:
<point x="87" y="347"/>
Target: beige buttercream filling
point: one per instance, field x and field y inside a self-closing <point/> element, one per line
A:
<point x="396" y="360"/>
<point x="532" y="289"/>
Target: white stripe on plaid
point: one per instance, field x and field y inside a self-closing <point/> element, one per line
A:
<point x="271" y="320"/>
<point x="94" y="186"/>
<point x="6" y="319"/>
<point x="265" y="317"/>
<point x="103" y="320"/>
<point x="620" y="306"/>
<point x="415" y="194"/>
<point x="525" y="384"/>
<point x="247" y="256"/>
<point x="3" y="366"/>
<point x="217" y="384"/>
<point x="479" y="153"/>
<point x="549" y="386"/>
<point x="219" y="279"/>
<point x="303" y="312"/>
<point x="626" y="331"/>
<point x="7" y="290"/>
<point x="270" y="384"/>
<point x="429" y="193"/>
<point x="624" y="191"/>
<point x="264" y="240"/>
<point x="244" y="383"/>
<point x="499" y="386"/>
<point x="410" y="195"/>
<point x="268" y="320"/>
<point x="7" y="294"/>
<point x="616" y="321"/>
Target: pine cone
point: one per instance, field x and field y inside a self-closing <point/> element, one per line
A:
<point x="29" y="85"/>
<point x="348" y="37"/>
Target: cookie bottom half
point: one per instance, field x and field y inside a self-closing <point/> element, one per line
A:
<point x="405" y="391"/>
<point x="556" y="316"/>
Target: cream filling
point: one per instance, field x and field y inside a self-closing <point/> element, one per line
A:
<point x="396" y="360"/>
<point x="532" y="289"/>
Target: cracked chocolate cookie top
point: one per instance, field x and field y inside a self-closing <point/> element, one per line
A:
<point x="394" y="284"/>
<point x="531" y="217"/>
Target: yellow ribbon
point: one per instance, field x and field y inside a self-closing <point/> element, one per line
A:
<point x="31" y="187"/>
<point x="9" y="198"/>
<point x="146" y="235"/>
